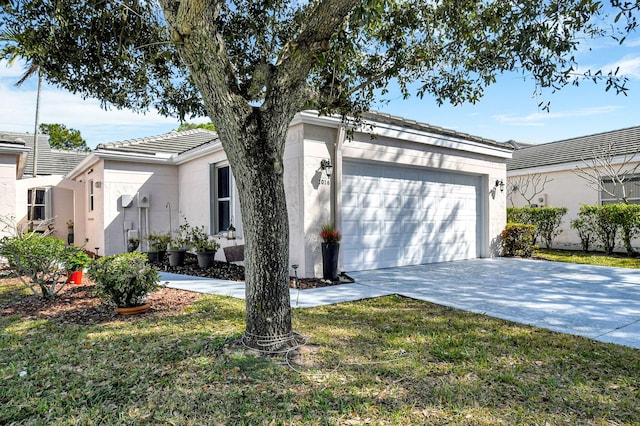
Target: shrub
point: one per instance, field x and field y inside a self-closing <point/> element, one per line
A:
<point x="39" y="261"/>
<point x="517" y="239"/>
<point x="126" y="278"/>
<point x="628" y="218"/>
<point x="547" y="221"/>
<point x="201" y="241"/>
<point x="585" y="227"/>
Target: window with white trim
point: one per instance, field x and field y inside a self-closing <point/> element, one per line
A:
<point x="613" y="192"/>
<point x="40" y="205"/>
<point x="91" y="195"/>
<point x="222" y="198"/>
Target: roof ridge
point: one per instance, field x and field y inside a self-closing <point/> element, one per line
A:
<point x="138" y="141"/>
<point x="609" y="132"/>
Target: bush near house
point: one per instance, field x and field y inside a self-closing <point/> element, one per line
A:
<point x="603" y="224"/>
<point x="547" y="221"/>
<point x="517" y="239"/>
<point x="41" y="262"/>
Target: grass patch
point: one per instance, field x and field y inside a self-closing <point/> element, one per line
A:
<point x="590" y="258"/>
<point x="387" y="360"/>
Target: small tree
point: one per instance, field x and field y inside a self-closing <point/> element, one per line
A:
<point x="585" y="226"/>
<point x="38" y="261"/>
<point x="604" y="173"/>
<point x="61" y="137"/>
<point x="628" y="217"/>
<point x="528" y="186"/>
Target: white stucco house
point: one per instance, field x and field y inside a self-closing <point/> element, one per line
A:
<point x="401" y="192"/>
<point x="557" y="162"/>
<point x="20" y="175"/>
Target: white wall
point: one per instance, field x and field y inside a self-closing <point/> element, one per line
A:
<point x="158" y="181"/>
<point x="196" y="198"/>
<point x="7" y="187"/>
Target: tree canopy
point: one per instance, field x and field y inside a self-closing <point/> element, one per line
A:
<point x="62" y="137"/>
<point x="124" y="52"/>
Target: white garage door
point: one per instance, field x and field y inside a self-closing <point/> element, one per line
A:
<point x="397" y="216"/>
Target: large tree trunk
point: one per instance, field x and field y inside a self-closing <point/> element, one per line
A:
<point x="253" y="139"/>
<point x="259" y="176"/>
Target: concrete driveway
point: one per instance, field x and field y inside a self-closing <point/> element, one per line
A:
<point x="598" y="302"/>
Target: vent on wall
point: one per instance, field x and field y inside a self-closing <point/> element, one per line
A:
<point x="542" y="200"/>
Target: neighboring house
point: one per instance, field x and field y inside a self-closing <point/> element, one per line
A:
<point x="54" y="195"/>
<point x="401" y="192"/>
<point x="557" y="163"/>
<point x="13" y="158"/>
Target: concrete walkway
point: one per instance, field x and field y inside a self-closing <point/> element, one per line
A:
<point x="598" y="302"/>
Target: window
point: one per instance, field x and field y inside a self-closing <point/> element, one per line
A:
<point x="222" y="203"/>
<point x="613" y="192"/>
<point x="91" y="198"/>
<point x="41" y="205"/>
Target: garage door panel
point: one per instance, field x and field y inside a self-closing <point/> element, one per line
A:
<point x="394" y="216"/>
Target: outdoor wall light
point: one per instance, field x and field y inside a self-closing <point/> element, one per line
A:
<point x="231" y="232"/>
<point x="500" y="183"/>
<point x="327" y="167"/>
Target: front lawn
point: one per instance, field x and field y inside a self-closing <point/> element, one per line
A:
<point x="388" y="360"/>
<point x="591" y="258"/>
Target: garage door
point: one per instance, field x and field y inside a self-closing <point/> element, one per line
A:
<point x="397" y="216"/>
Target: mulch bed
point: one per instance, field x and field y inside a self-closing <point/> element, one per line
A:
<point x="78" y="304"/>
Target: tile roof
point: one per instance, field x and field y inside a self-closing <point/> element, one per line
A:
<point x="169" y="143"/>
<point x="50" y="161"/>
<point x="623" y="142"/>
<point x="404" y="122"/>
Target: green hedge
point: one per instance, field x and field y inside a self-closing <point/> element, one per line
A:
<point x="547" y="221"/>
<point x="605" y="224"/>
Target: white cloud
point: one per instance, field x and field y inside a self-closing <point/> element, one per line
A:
<point x="539" y="118"/>
<point x="629" y="66"/>
<point x="17" y="113"/>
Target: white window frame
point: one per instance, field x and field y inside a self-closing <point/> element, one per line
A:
<point x="91" y="191"/>
<point x="215" y="200"/>
<point x="46" y="203"/>
<point x="632" y="184"/>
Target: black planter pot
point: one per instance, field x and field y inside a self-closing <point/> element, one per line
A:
<point x="330" y="261"/>
<point x="205" y="258"/>
<point x="156" y="256"/>
<point x="176" y="257"/>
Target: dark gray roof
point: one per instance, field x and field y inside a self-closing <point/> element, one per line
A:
<point x="623" y="142"/>
<point x="404" y="122"/>
<point x="50" y="161"/>
<point x="169" y="143"/>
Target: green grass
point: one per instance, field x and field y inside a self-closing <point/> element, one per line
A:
<point x="590" y="258"/>
<point x="387" y="360"/>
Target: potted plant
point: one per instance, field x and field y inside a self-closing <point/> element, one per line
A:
<point x="125" y="279"/>
<point x="132" y="244"/>
<point x="179" y="245"/>
<point x="75" y="260"/>
<point x="157" y="246"/>
<point x="205" y="247"/>
<point x="330" y="250"/>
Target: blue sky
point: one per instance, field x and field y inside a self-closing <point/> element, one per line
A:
<point x="508" y="110"/>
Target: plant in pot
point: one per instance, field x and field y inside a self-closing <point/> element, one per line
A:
<point x="125" y="279"/>
<point x="157" y="246"/>
<point x="204" y="246"/>
<point x="179" y="245"/>
<point x="132" y="244"/>
<point x="330" y="250"/>
<point x="75" y="260"/>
